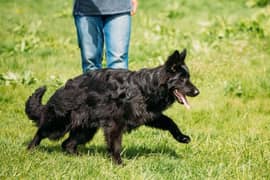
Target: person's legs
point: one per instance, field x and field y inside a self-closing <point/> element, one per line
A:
<point x="117" y="36"/>
<point x="91" y="40"/>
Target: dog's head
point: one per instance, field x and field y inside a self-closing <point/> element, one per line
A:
<point x="179" y="83"/>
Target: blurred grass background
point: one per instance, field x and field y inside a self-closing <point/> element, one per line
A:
<point x="228" y="54"/>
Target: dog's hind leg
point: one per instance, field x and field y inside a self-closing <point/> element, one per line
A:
<point x="165" y="123"/>
<point x="76" y="137"/>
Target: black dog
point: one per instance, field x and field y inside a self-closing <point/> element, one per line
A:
<point x="115" y="100"/>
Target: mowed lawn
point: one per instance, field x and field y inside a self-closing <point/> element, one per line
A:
<point x="228" y="45"/>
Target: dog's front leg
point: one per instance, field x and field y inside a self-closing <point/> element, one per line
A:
<point x="113" y="136"/>
<point x="165" y="123"/>
<point x="36" y="140"/>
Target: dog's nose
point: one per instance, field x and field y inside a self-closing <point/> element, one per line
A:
<point x="196" y="92"/>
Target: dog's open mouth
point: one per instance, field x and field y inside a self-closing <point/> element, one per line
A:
<point x="181" y="98"/>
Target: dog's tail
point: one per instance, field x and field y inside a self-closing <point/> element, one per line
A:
<point x="33" y="105"/>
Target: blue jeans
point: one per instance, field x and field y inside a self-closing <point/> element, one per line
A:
<point x="93" y="31"/>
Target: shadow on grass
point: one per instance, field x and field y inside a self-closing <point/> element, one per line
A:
<point x="137" y="151"/>
<point x="127" y="152"/>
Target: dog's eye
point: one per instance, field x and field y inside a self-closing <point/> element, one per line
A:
<point x="175" y="69"/>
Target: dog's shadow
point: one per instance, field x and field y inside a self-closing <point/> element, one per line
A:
<point x="138" y="151"/>
<point x="127" y="152"/>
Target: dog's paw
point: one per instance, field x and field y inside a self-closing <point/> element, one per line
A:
<point x="117" y="161"/>
<point x="183" y="139"/>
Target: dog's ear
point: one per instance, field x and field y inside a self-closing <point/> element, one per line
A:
<point x="182" y="55"/>
<point x="175" y="59"/>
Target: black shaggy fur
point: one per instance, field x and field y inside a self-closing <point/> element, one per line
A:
<point x="115" y="100"/>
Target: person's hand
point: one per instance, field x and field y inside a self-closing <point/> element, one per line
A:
<point x="134" y="4"/>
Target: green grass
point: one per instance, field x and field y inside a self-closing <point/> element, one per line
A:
<point x="228" y="45"/>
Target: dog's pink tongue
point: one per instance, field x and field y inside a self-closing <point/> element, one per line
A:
<point x="181" y="98"/>
<point x="184" y="100"/>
